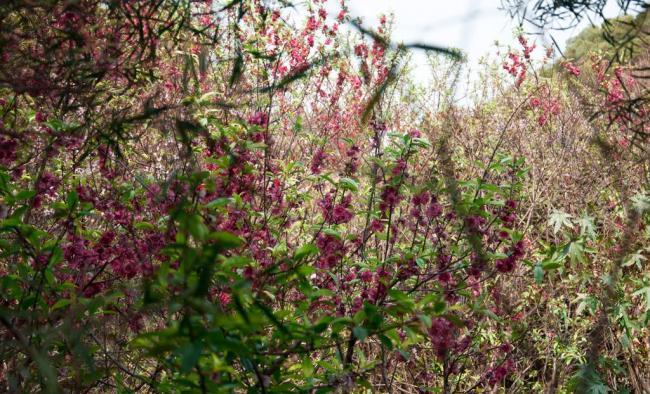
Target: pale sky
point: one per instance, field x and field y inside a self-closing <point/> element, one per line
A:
<point x="472" y="25"/>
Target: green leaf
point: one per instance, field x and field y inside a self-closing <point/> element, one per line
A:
<point x="576" y="251"/>
<point x="24" y="195"/>
<point x="360" y="333"/>
<point x="57" y="256"/>
<point x="550" y="265"/>
<point x="219" y="202"/>
<point x="72" y="199"/>
<point x="538" y="273"/>
<point x="225" y="240"/>
<point x="348" y="184"/>
<point x="196" y="227"/>
<point x="333" y="233"/>
<point x="386" y="341"/>
<point x="645" y="291"/>
<point x="190" y="355"/>
<point x="426" y="320"/>
<point x="143" y="226"/>
<point x="56" y="125"/>
<point x="634" y="258"/>
<point x="307" y="367"/>
<point x="305" y="251"/>
<point x="587" y="380"/>
<point x="61" y="303"/>
<point x="378" y="93"/>
<point x="559" y="219"/>
<point x="458" y="322"/>
<point x="453" y="53"/>
<point x="587" y="227"/>
<point x="49" y="276"/>
<point x="641" y="203"/>
<point x="439" y="306"/>
<point x="421" y="142"/>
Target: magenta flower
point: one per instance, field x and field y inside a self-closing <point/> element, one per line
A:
<point x="317" y="161"/>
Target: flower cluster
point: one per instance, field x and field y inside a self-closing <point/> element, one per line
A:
<point x="516" y="65"/>
<point x="546" y="107"/>
<point x="443" y="336"/>
<point x="317" y="161"/>
<point x="259" y="118"/>
<point x="331" y="249"/>
<point x="498" y="373"/>
<point x="572" y="69"/>
<point x="8" y="153"/>
<point x="352" y="164"/>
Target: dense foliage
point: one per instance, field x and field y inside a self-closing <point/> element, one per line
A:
<point x="241" y="197"/>
<point x="603" y="39"/>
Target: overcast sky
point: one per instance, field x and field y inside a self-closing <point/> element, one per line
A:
<point x="472" y="25"/>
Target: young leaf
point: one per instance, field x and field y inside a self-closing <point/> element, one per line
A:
<point x="360" y="333"/>
<point x="559" y="219"/>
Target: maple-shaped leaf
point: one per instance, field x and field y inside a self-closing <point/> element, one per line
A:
<point x="641" y="203"/>
<point x="634" y="259"/>
<point x="559" y="219"/>
<point x="587" y="227"/>
<point x="645" y="291"/>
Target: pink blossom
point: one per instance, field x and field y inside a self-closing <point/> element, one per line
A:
<point x="317" y="161"/>
<point x="572" y="68"/>
<point x="259" y="118"/>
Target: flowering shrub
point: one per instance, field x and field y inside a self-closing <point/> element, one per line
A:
<point x="204" y="197"/>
